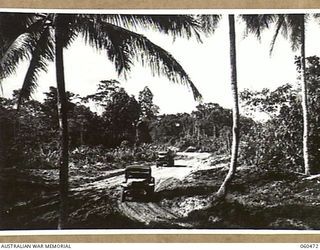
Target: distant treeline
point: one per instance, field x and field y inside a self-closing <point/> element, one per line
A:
<point x="30" y="136"/>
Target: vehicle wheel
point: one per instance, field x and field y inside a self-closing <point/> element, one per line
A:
<point x="150" y="194"/>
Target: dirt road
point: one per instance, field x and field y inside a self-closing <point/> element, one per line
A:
<point x="95" y="192"/>
<point x="165" y="177"/>
<point x="31" y="198"/>
<point x="153" y="212"/>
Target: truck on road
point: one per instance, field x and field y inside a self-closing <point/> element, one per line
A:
<point x="165" y="158"/>
<point x="138" y="182"/>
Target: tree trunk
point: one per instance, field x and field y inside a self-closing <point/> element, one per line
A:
<point x="3" y="146"/>
<point x="235" y="111"/>
<point x="63" y="174"/>
<point x="304" y="101"/>
<point x="228" y="141"/>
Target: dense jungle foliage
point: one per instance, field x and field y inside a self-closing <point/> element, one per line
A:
<point x="131" y="129"/>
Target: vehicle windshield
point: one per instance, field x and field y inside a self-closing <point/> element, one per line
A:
<point x="136" y="174"/>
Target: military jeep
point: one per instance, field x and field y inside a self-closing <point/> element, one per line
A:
<point x="165" y="158"/>
<point x="138" y="182"/>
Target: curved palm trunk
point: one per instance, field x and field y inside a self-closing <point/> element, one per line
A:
<point x="304" y="101"/>
<point x="63" y="174"/>
<point x="235" y="111"/>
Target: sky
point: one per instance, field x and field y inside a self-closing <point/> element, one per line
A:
<point x="207" y="64"/>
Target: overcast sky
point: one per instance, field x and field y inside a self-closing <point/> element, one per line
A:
<point x="206" y="63"/>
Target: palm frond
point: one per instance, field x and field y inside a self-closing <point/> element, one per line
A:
<point x="42" y="53"/>
<point x="208" y="23"/>
<point x="117" y="52"/>
<point x="16" y="42"/>
<point x="295" y="22"/>
<point x="69" y="23"/>
<point x="316" y="16"/>
<point x="19" y="50"/>
<point x="280" y="24"/>
<point x="285" y="29"/>
<point x="256" y="24"/>
<point x="175" y="25"/>
<point x="12" y="25"/>
<point x="124" y="46"/>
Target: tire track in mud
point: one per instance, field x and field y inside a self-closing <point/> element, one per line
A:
<point x="148" y="213"/>
<point x="145" y="212"/>
<point x="109" y="180"/>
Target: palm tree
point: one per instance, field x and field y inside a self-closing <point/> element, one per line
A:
<point x="44" y="39"/>
<point x="11" y="27"/>
<point x="60" y="25"/>
<point x="255" y="24"/>
<point x="235" y="110"/>
<point x="295" y="25"/>
<point x="209" y="25"/>
<point x="292" y="26"/>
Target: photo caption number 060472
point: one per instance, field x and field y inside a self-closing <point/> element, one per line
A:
<point x="309" y="246"/>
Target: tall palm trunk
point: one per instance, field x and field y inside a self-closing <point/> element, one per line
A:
<point x="235" y="111"/>
<point x="63" y="174"/>
<point x="304" y="99"/>
<point x="2" y="146"/>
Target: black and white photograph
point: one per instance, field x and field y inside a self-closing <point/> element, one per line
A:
<point x="159" y="119"/>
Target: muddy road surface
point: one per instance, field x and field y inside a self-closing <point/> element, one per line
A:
<point x="95" y="196"/>
<point x="153" y="211"/>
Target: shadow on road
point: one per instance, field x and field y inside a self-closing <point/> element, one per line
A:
<point x="175" y="166"/>
<point x="181" y="166"/>
<point x="141" y="199"/>
<point x="184" y="191"/>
